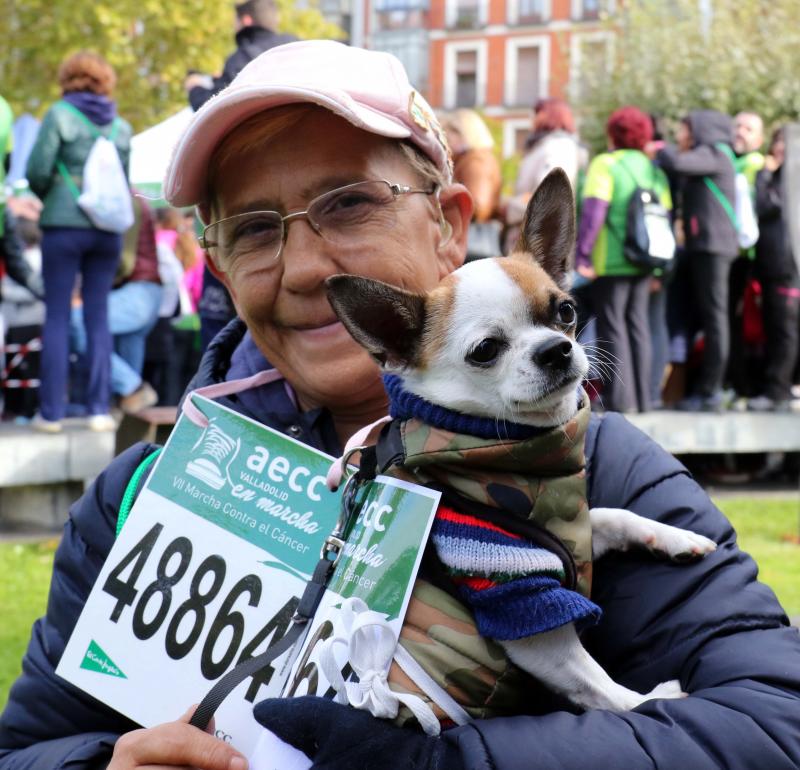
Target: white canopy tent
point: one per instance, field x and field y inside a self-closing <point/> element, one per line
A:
<point x="151" y="151"/>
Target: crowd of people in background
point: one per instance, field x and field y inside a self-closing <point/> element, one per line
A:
<point x="124" y="317"/>
<point x="716" y="326"/>
<point x="100" y="294"/>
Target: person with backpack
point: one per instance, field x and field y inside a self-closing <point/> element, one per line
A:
<point x="703" y="158"/>
<point x="621" y="287"/>
<point x="6" y="141"/>
<point x="73" y="243"/>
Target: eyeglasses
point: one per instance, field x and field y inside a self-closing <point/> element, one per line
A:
<point x="351" y="216"/>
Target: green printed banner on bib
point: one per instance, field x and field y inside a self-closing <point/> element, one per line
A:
<point x="253" y="482"/>
<point x="382" y="549"/>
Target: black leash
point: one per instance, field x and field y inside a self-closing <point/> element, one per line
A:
<point x="312" y="595"/>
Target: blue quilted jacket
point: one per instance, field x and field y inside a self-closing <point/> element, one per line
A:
<point x="710" y="624"/>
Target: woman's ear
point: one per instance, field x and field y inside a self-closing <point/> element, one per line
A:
<point x="455" y="204"/>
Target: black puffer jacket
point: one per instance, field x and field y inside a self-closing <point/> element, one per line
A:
<point x="707" y="226"/>
<point x="774" y="258"/>
<point x="711" y="624"/>
<point x="250" y="42"/>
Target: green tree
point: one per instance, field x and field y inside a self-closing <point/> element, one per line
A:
<point x="150" y="43"/>
<point x="669" y="57"/>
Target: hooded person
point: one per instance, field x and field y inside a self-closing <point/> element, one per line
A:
<point x="702" y="161"/>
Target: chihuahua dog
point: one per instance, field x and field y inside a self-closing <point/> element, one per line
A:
<point x="496" y="339"/>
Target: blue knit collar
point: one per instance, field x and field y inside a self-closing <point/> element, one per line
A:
<point x="404" y="405"/>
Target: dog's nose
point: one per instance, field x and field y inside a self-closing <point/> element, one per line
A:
<point x="554" y="354"/>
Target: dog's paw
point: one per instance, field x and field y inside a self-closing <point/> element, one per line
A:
<point x="677" y="544"/>
<point x="671" y="689"/>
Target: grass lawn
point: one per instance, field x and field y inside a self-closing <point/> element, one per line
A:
<point x="24" y="582"/>
<point x="762" y="525"/>
<point x="760" y="522"/>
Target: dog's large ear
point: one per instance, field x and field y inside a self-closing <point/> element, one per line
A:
<point x="385" y="320"/>
<point x="548" y="230"/>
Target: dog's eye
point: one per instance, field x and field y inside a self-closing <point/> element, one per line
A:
<point x="485" y="352"/>
<point x="566" y="314"/>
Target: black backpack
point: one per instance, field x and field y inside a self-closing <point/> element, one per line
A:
<point x="649" y="242"/>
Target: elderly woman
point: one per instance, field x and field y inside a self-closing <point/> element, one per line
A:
<point x="621" y="290"/>
<point x="308" y="135"/>
<point x="71" y="244"/>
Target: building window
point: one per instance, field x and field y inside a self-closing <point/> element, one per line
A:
<point x="465" y="74"/>
<point x="528" y="11"/>
<point x="527" y="75"/>
<point x="591" y="10"/>
<point x="466" y="14"/>
<point x="389" y="20"/>
<point x="400" y="14"/>
<point x="527" y="69"/>
<point x="466" y="78"/>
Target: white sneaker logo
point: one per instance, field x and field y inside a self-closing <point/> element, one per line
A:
<point x="218" y="451"/>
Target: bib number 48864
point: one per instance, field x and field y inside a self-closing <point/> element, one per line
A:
<point x="152" y="606"/>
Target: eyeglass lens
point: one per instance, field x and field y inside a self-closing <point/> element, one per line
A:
<point x="347" y="216"/>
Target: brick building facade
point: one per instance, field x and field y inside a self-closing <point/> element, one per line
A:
<point x="497" y="55"/>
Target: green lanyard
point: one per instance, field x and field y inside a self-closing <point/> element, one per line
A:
<point x="718" y="194"/>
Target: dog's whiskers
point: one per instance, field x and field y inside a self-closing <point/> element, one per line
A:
<point x="600" y="362"/>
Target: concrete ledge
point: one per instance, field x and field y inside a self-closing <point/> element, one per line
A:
<point x="40" y="508"/>
<point x="28" y="457"/>
<point x="731" y="432"/>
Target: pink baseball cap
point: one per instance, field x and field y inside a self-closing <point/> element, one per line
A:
<point x="370" y="89"/>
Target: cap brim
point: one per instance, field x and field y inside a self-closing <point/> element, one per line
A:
<point x="186" y="183"/>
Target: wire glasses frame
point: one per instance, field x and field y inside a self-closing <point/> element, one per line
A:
<point x="344" y="216"/>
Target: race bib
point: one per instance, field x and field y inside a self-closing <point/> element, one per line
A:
<point x="211" y="564"/>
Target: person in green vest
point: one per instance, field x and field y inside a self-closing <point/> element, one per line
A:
<point x="6" y="136"/>
<point x="620" y="290"/>
<point x="748" y="138"/>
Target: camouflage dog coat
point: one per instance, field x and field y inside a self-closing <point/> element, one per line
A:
<point x="506" y="486"/>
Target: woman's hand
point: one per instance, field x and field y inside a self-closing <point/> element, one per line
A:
<point x="174" y="744"/>
<point x="586" y="271"/>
